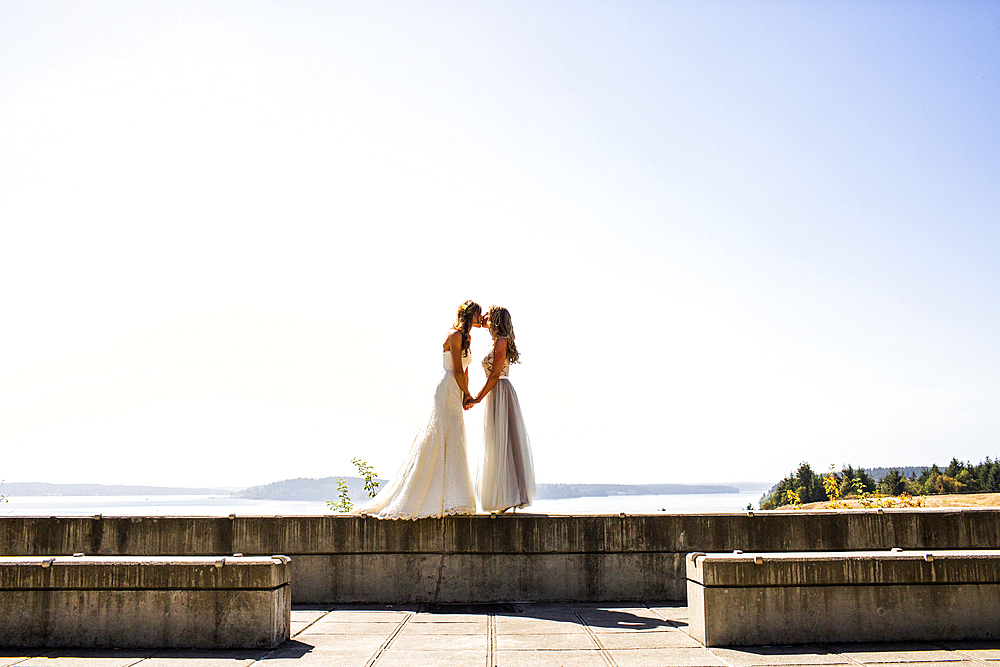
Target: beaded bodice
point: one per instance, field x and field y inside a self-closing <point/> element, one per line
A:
<point x="488" y="365"/>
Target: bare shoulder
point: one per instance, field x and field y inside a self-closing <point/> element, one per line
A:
<point x="500" y="347"/>
<point x="453" y="336"/>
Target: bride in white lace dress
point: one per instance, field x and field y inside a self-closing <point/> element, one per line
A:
<point x="507" y="474"/>
<point x="434" y="478"/>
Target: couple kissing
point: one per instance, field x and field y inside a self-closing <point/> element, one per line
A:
<point x="434" y="480"/>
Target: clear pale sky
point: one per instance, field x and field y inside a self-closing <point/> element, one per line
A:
<point x="732" y="236"/>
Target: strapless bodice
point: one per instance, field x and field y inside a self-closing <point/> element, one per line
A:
<point x="488" y="365"/>
<point x="466" y="360"/>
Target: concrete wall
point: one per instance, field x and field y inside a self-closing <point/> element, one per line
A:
<point x="501" y="558"/>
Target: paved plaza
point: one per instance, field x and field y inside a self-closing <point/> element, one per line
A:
<point x="502" y="635"/>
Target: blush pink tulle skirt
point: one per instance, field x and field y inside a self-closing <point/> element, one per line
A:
<point x="506" y="474"/>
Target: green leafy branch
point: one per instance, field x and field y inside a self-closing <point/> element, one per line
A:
<point x="344" y="505"/>
<point x="367" y="473"/>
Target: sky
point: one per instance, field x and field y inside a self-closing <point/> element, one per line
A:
<point x="732" y="236"/>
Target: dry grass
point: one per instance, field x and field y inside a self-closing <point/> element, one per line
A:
<point x="951" y="500"/>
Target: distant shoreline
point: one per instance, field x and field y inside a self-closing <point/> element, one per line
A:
<point x="326" y="489"/>
<point x="305" y="488"/>
<point x="226" y="505"/>
<point x="47" y="489"/>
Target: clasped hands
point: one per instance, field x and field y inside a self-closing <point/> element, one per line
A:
<point x="469" y="401"/>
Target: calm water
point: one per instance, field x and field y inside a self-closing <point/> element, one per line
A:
<point x="225" y="505"/>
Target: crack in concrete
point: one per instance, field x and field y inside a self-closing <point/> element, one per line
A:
<point x="597" y="642"/>
<point x="314" y="622"/>
<point x="437" y="588"/>
<point x="491" y="640"/>
<point x="388" y="642"/>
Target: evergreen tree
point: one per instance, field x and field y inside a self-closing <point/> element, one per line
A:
<point x="847" y="485"/>
<point x="893" y="483"/>
<point x="981" y="473"/>
<point x="969" y="480"/>
<point x="803" y="482"/>
<point x="993" y="478"/>
<point x="954" y="468"/>
<point x="867" y="483"/>
<point x="958" y="477"/>
<point x="846" y="481"/>
<point x="811" y="483"/>
<point x="928" y="475"/>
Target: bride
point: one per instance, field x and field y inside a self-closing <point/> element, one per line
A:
<point x="434" y="478"/>
<point x="507" y="475"/>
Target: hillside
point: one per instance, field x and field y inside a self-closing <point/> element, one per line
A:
<point x="305" y="488"/>
<point x="878" y="473"/>
<point x="545" y="491"/>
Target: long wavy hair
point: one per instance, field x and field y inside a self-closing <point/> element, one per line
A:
<point x="502" y="327"/>
<point x="463" y="321"/>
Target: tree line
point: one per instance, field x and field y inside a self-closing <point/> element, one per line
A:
<point x="958" y="477"/>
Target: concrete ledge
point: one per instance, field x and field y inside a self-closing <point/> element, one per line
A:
<point x="944" y="528"/>
<point x="739" y="599"/>
<point x="349" y="559"/>
<point x="144" y="602"/>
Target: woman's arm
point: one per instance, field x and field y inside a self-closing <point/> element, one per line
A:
<point x="461" y="375"/>
<point x="499" y="359"/>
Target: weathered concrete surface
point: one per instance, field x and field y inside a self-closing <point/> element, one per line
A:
<point x="812" y="598"/>
<point x="178" y="602"/>
<point x="512" y="635"/>
<point x="340" y="559"/>
<point x="455" y="578"/>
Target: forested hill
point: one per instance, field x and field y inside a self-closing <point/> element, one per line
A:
<point x="304" y="488"/>
<point x="590" y="490"/>
<point x="877" y="474"/>
<point x="906" y="471"/>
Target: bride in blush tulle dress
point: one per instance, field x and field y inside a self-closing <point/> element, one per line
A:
<point x="507" y="474"/>
<point x="434" y="478"/>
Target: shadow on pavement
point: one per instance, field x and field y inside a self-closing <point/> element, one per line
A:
<point x="293" y="648"/>
<point x="599" y="617"/>
<point x="620" y="619"/>
<point x="485" y="608"/>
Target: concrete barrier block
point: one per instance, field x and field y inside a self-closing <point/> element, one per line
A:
<point x="144" y="602"/>
<point x="753" y="599"/>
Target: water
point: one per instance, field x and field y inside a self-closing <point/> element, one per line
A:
<point x="219" y="505"/>
<point x="672" y="503"/>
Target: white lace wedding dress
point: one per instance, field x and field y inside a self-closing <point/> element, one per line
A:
<point x="434" y="478"/>
<point x="507" y="473"/>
